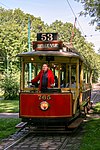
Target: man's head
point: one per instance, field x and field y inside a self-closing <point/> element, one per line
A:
<point x="45" y="67"/>
<point x="72" y="79"/>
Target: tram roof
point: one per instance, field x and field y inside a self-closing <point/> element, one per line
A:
<point x="51" y="53"/>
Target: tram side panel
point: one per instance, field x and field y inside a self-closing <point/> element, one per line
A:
<point x="45" y="105"/>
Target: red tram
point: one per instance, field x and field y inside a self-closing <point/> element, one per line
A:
<point x="64" y="102"/>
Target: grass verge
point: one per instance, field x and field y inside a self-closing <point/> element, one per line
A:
<point x="91" y="138"/>
<point x="7" y="127"/>
<point x="9" y="106"/>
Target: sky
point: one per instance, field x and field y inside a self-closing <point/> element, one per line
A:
<point x="62" y="10"/>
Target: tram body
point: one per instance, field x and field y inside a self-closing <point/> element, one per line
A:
<point x="60" y="104"/>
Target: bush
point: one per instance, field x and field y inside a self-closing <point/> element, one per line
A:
<point x="10" y="87"/>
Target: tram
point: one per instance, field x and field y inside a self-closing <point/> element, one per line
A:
<point x="64" y="102"/>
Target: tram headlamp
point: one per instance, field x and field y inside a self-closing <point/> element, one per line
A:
<point x="32" y="59"/>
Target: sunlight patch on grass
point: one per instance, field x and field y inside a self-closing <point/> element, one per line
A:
<point x="9" y="106"/>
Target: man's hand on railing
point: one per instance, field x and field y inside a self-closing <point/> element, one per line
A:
<point x="30" y="84"/>
<point x="52" y="85"/>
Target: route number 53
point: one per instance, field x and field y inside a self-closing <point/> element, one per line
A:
<point x="47" y="36"/>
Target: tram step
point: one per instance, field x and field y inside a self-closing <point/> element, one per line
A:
<point x="21" y="125"/>
<point x="76" y="123"/>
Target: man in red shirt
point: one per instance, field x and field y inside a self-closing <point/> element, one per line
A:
<point x="46" y="78"/>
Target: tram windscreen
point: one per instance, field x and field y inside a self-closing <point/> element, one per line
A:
<point x="64" y="74"/>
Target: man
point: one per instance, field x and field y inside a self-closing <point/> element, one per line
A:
<point x="73" y="83"/>
<point x="46" y="78"/>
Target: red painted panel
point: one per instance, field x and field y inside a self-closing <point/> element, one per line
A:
<point x="60" y="105"/>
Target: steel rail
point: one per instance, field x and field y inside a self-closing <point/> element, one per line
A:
<point x="7" y="148"/>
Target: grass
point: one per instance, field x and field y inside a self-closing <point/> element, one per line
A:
<point x="7" y="127"/>
<point x="91" y="138"/>
<point x="9" y="106"/>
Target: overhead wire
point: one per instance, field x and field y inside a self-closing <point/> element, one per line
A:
<point x="4" y="5"/>
<point x="79" y="23"/>
<point x="75" y="17"/>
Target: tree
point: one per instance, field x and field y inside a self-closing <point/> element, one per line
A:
<point x="14" y="35"/>
<point x="91" y="8"/>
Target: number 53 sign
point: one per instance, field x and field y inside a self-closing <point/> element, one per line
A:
<point x="47" y="36"/>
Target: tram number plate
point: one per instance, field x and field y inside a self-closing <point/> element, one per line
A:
<point x="44" y="97"/>
<point x="47" y="36"/>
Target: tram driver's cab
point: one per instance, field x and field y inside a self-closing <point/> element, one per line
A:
<point x="64" y="75"/>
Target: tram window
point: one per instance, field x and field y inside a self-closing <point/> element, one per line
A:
<point x="72" y="77"/>
<point x="63" y="75"/>
<point x="68" y="76"/>
<point x="73" y="70"/>
<point x="30" y="72"/>
<point x="49" y="58"/>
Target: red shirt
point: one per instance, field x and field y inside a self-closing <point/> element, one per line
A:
<point x="39" y="77"/>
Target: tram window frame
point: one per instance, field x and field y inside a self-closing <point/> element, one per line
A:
<point x="34" y="72"/>
<point x="69" y="73"/>
<point x="59" y="70"/>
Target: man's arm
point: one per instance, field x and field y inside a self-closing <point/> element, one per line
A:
<point x="52" y="78"/>
<point x="37" y="78"/>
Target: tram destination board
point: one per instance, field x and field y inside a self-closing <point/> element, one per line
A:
<point x="47" y="36"/>
<point x="47" y="45"/>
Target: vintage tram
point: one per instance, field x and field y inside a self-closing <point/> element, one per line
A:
<point x="64" y="102"/>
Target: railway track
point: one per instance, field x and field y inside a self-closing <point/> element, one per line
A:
<point x="47" y="141"/>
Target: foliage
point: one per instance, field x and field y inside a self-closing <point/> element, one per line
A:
<point x="91" y="137"/>
<point x="9" y="106"/>
<point x="14" y="34"/>
<point x="10" y="87"/>
<point x="97" y="108"/>
<point x="7" y="127"/>
<point x="91" y="8"/>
